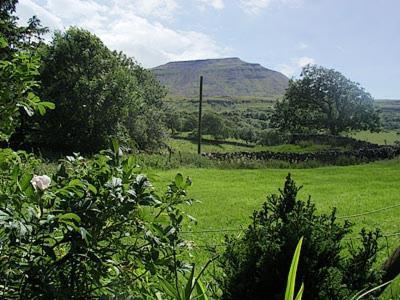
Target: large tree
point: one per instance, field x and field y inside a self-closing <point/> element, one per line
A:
<point x="98" y="94"/>
<point x="324" y="99"/>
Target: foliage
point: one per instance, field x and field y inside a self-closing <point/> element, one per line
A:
<point x="214" y="125"/>
<point x="18" y="80"/>
<point x="190" y="122"/>
<point x="19" y="64"/>
<point x="291" y="282"/>
<point x="272" y="138"/>
<point x="144" y="114"/>
<point x="191" y="289"/>
<point x="247" y="134"/>
<point x="145" y="129"/>
<point x="100" y="229"/>
<point x="98" y="94"/>
<point x="323" y="99"/>
<point x="18" y="37"/>
<point x="174" y="121"/>
<point x="256" y="265"/>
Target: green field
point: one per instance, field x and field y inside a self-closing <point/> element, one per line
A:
<point x="381" y="138"/>
<point x="228" y="197"/>
<point x="191" y="147"/>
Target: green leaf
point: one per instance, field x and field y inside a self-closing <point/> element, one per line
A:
<point x="76" y="182"/>
<point x="41" y="109"/>
<point x="300" y="293"/>
<point x="85" y="234"/>
<point x="25" y="181"/>
<point x="189" y="285"/>
<point x="115" y="146"/>
<point x="70" y="216"/>
<point x="49" y="105"/>
<point x="179" y="181"/>
<point x="92" y="188"/>
<point x="200" y="291"/>
<point x="169" y="289"/>
<point x="289" y="294"/>
<point x="363" y="293"/>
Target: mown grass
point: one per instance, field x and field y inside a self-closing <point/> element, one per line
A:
<point x="381" y="138"/>
<point x="228" y="197"/>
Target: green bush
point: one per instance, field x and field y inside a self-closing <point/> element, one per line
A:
<point x="256" y="265"/>
<point x="272" y="138"/>
<point x="94" y="228"/>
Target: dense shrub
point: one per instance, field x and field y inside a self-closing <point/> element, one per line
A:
<point x="190" y="122"/>
<point x="94" y="228"/>
<point x="247" y="134"/>
<point x="213" y="124"/>
<point x="272" y="138"/>
<point x="256" y="265"/>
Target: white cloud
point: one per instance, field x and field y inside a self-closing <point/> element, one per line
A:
<point x="123" y="26"/>
<point x="304" y="61"/>
<point x="295" y="65"/>
<point x="286" y="69"/>
<point x="28" y="8"/>
<point x="217" y="4"/>
<point x="254" y="7"/>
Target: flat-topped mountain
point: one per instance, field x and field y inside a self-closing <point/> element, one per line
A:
<point x="226" y="77"/>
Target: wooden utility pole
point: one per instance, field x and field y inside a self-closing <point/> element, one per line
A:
<point x="199" y="128"/>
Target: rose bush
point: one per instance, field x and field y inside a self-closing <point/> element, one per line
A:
<point x="99" y="229"/>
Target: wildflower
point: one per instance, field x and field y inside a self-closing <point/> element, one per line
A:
<point x="41" y="182"/>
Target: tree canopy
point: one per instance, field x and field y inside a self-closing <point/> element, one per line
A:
<point x="98" y="94"/>
<point x="324" y="99"/>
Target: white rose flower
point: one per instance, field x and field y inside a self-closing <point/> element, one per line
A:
<point x="41" y="182"/>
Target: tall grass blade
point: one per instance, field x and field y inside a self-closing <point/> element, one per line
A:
<point x="289" y="294"/>
<point x="360" y="295"/>
<point x="300" y="293"/>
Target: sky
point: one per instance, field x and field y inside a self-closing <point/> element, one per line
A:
<point x="359" y="38"/>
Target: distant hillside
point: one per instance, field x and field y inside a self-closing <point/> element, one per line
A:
<point x="227" y="77"/>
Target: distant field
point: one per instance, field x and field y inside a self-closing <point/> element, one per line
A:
<point x="228" y="197"/>
<point x="191" y="147"/>
<point x="223" y="104"/>
<point x="381" y="138"/>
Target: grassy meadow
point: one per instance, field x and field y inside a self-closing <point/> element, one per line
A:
<point x="227" y="198"/>
<point x="381" y="138"/>
<point x="231" y="196"/>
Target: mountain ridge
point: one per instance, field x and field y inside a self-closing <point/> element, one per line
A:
<point x="223" y="78"/>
